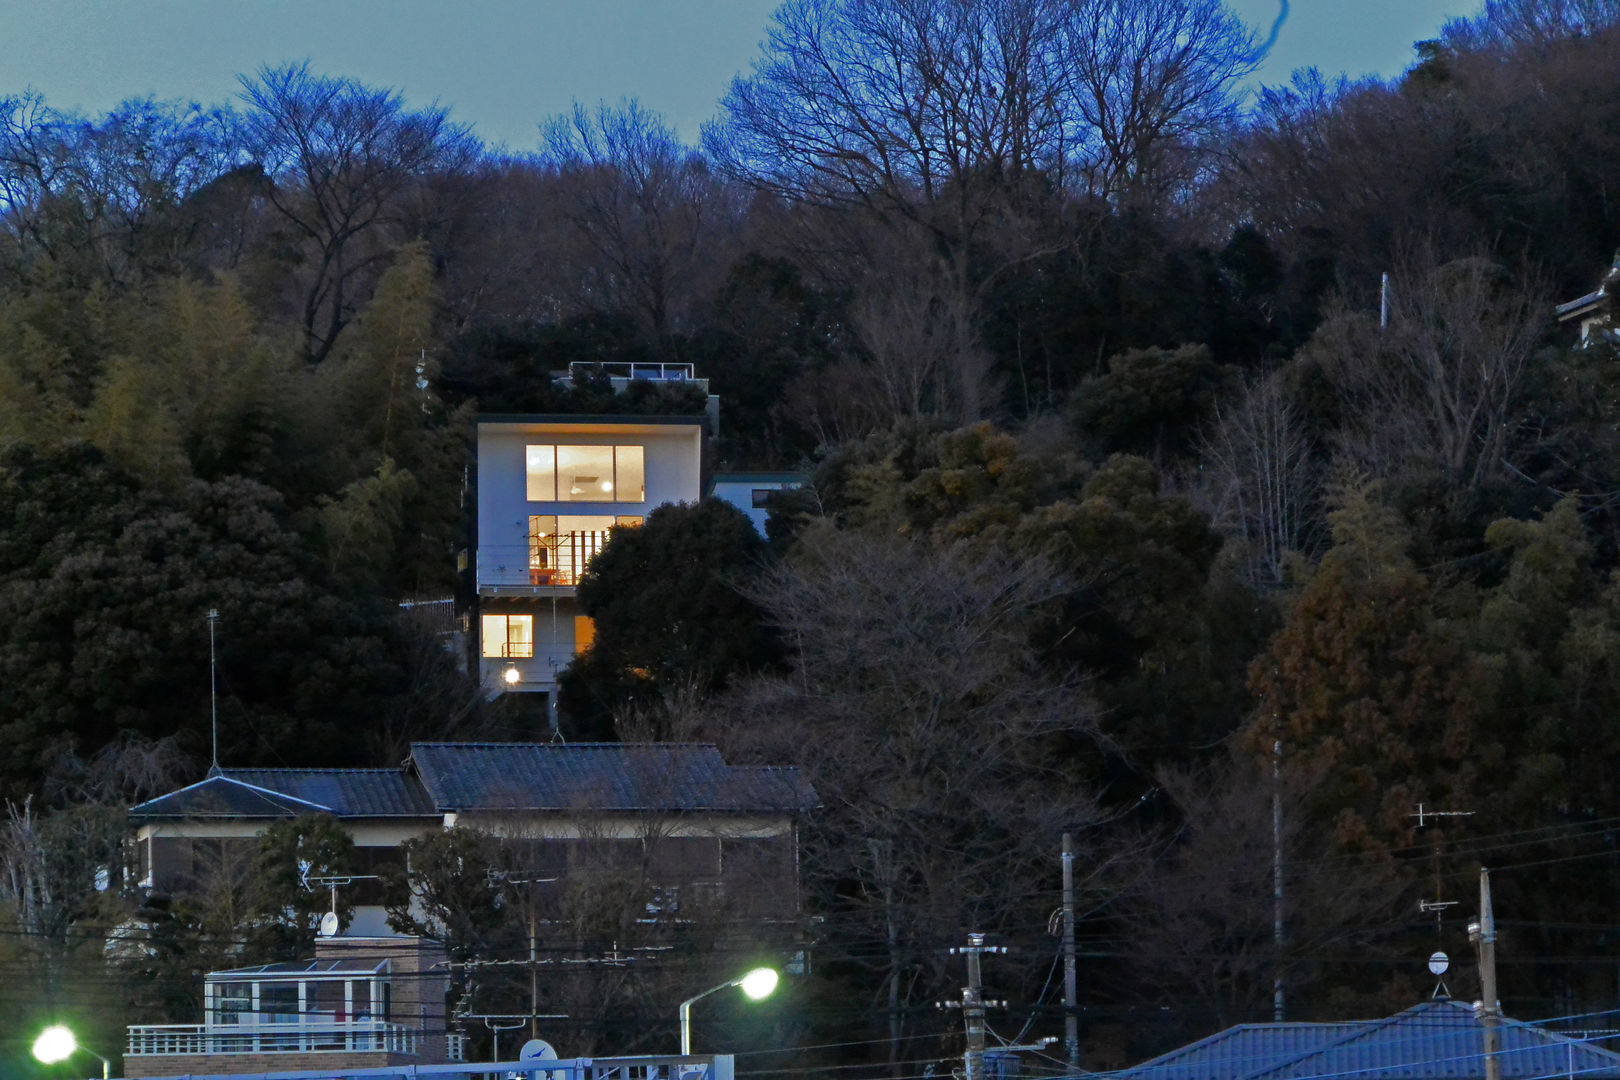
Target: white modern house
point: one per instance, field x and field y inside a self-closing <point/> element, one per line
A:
<point x="549" y="491"/>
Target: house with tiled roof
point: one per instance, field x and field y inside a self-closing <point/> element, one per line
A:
<point x="1436" y="1040"/>
<point x="701" y="824"/>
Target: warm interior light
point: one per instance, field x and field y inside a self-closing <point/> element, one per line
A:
<point x="607" y="485"/>
<point x="55" y="1044"/>
<point x="759" y="983"/>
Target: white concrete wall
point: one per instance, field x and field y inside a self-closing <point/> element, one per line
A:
<point x="740" y="493"/>
<point x="673" y="474"/>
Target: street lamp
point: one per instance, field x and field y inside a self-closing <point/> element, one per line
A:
<point x="56" y="1043"/>
<point x="756" y="984"/>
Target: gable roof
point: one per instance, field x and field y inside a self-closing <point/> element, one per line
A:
<point x="456" y="777"/>
<point x="1437" y="1040"/>
<point x="601" y="776"/>
<point x="225" y="796"/>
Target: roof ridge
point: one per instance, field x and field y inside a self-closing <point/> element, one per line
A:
<point x="226" y="772"/>
<point x="565" y="746"/>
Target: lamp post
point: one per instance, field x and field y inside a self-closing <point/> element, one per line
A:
<point x="757" y="984"/>
<point x="56" y="1043"/>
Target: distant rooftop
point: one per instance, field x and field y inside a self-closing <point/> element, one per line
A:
<point x="445" y="777"/>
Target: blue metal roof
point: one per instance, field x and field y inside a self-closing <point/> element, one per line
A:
<point x="1437" y="1040"/>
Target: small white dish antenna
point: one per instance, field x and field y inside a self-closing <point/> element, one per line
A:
<point x="329" y="924"/>
<point x="537" y="1050"/>
<point x="1438" y="963"/>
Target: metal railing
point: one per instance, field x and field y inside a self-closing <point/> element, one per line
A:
<point x="352" y="1035"/>
<point x="556" y="562"/>
<point x="620" y="370"/>
<point x="652" y="1067"/>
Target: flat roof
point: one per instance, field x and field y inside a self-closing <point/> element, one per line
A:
<point x="303" y="969"/>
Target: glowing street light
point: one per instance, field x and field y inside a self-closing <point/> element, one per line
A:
<point x="757" y="984"/>
<point x="56" y="1044"/>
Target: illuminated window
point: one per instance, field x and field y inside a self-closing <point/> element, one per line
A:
<point x="584" y="632"/>
<point x="561" y="546"/>
<point x="586" y="473"/>
<point x="508" y="635"/>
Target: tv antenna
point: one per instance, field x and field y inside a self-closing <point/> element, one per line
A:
<point x="1437" y="905"/>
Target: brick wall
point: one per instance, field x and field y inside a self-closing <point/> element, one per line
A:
<point x="144" y="1065"/>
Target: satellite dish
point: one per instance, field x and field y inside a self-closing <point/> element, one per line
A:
<point x="329" y="924"/>
<point x="1438" y="963"/>
<point x="537" y="1050"/>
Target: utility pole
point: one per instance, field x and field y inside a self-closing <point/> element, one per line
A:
<point x="1071" y="1020"/>
<point x="1278" y="940"/>
<point x="1489" y="1010"/>
<point x="973" y="1005"/>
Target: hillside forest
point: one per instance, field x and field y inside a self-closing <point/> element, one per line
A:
<point x="1140" y="508"/>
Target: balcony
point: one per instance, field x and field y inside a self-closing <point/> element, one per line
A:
<point x="544" y="567"/>
<point x="351" y="1036"/>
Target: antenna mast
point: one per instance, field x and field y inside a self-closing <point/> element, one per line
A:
<point x="213" y="696"/>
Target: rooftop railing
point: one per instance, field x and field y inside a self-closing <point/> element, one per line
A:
<point x="309" y="1037"/>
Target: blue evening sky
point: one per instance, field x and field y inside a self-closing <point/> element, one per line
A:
<point x="505" y="65"/>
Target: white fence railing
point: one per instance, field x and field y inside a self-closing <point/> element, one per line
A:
<point x="361" y="1035"/>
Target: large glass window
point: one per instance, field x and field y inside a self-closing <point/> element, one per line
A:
<point x="561" y="546"/>
<point x="231" y="1001"/>
<point x="586" y="473"/>
<point x="508" y="635"/>
<point x="279" y="1004"/>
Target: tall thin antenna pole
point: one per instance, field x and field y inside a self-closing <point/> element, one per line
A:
<point x="213" y="694"/>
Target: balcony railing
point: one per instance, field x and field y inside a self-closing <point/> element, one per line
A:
<point x="624" y="371"/>
<point x="556" y="562"/>
<point x="353" y="1035"/>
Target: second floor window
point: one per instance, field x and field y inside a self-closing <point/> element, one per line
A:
<point x="586" y="473"/>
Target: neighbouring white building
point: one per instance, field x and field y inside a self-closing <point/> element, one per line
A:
<point x="751" y="492"/>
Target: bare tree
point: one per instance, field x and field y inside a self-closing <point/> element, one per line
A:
<point x="1152" y="79"/>
<point x="919" y="334"/>
<point x="1530" y="22"/>
<point x="342" y="156"/>
<point x="914" y="709"/>
<point x="1204" y="922"/>
<point x="1259" y="477"/>
<point x="1440" y="387"/>
<point x="909" y="108"/>
<point x="649" y="210"/>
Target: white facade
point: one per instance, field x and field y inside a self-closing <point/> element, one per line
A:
<point x="550" y="489"/>
<point x="748" y="491"/>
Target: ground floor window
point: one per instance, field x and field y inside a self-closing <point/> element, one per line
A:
<point x="508" y="635"/>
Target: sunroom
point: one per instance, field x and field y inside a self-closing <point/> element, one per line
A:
<point x="302" y="1006"/>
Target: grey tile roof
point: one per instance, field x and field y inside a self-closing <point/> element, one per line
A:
<point x="454" y="777"/>
<point x="601" y="776"/>
<point x="1437" y="1040"/>
<point x="289" y="792"/>
<point x="349" y="792"/>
